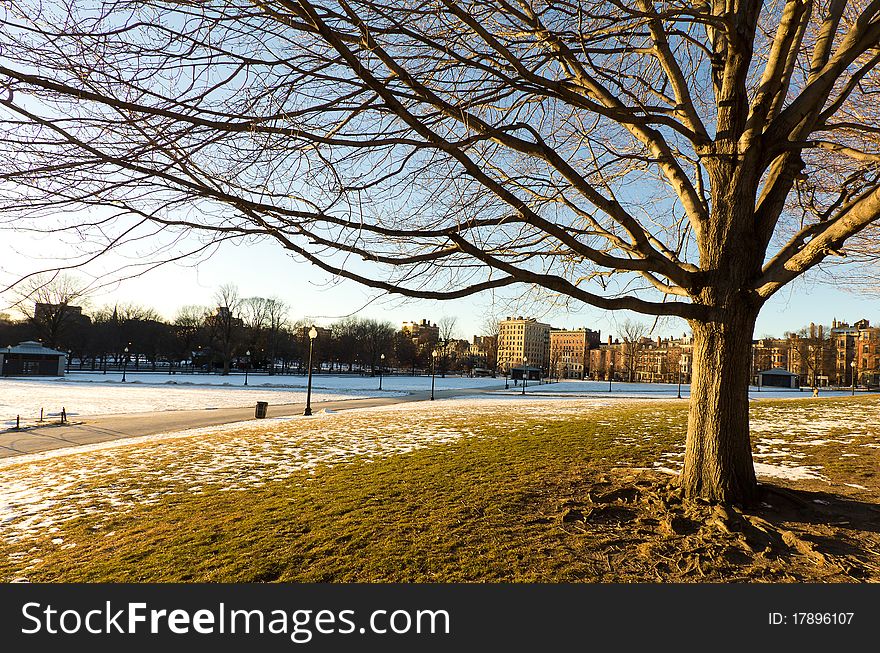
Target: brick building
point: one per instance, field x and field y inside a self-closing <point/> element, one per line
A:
<point x="423" y="334"/>
<point x="607" y="361"/>
<point x="570" y="352"/>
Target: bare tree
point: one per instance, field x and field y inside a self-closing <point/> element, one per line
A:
<point x="681" y="159"/>
<point x="255" y="313"/>
<point x="812" y="354"/>
<point x="189" y="326"/>
<point x="632" y="334"/>
<point x="377" y="339"/>
<point x="277" y="319"/>
<point x="448" y="330"/>
<point x="491" y="328"/>
<point x="255" y="320"/>
<point x="346" y="334"/>
<point x="226" y="324"/>
<point x="48" y="302"/>
<point x="136" y="326"/>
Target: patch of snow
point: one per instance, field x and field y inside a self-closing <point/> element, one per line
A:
<point x="790" y="472"/>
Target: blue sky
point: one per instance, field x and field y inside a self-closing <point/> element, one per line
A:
<point x="265" y="270"/>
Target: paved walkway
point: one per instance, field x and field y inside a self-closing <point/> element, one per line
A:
<point x="102" y="428"/>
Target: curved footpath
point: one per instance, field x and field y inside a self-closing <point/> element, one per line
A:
<point x="101" y="428"/>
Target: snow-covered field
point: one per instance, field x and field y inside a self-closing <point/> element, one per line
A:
<point x="84" y="393"/>
<point x="27" y="398"/>
<point x="340" y="382"/>
<point x="91" y="393"/>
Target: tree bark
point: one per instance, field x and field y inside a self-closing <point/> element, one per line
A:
<point x="718" y="460"/>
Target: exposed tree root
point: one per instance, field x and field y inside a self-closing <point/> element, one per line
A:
<point x="637" y="520"/>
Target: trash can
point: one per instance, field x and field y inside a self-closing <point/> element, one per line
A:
<point x="262" y="407"/>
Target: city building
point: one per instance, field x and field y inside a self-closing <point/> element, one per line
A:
<point x="423" y="334"/>
<point x="664" y="360"/>
<point x="523" y="340"/>
<point x="44" y="312"/>
<point x="660" y="360"/>
<point x="483" y="353"/>
<point x="607" y="361"/>
<point x="569" y="352"/>
<point x="770" y="353"/>
<point x="845" y="340"/>
<point x="867" y="355"/>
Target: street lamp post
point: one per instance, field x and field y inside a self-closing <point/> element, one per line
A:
<point x="758" y="375"/>
<point x="313" y="333"/>
<point x="381" y="365"/>
<point x="853" y="366"/>
<point x="525" y="374"/>
<point x="247" y="365"/>
<point x="434" y="355"/>
<point x="124" y="364"/>
<point x="506" y="384"/>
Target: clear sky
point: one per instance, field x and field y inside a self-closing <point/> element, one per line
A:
<point x="266" y="270"/>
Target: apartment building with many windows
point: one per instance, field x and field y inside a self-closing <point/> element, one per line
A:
<point x="523" y="339"/>
<point x="570" y="352"/>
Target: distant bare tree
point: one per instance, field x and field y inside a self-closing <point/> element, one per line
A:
<point x="346" y="334"/>
<point x="813" y="354"/>
<point x="491" y="328"/>
<point x="448" y="329"/>
<point x="277" y="319"/>
<point x="632" y="333"/>
<point x="226" y="324"/>
<point x="189" y="325"/>
<point x="53" y="305"/>
<point x="378" y="339"/>
<point x="448" y="332"/>
<point x="255" y="319"/>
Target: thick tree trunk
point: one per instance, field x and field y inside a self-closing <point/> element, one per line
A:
<point x="718" y="459"/>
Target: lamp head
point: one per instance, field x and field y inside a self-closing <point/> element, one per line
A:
<point x="313" y="333"/>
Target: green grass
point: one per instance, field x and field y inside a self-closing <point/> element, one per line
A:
<point x="487" y="507"/>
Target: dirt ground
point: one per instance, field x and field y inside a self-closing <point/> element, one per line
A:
<point x="640" y="530"/>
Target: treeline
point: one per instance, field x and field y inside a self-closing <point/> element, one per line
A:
<point x="252" y="333"/>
